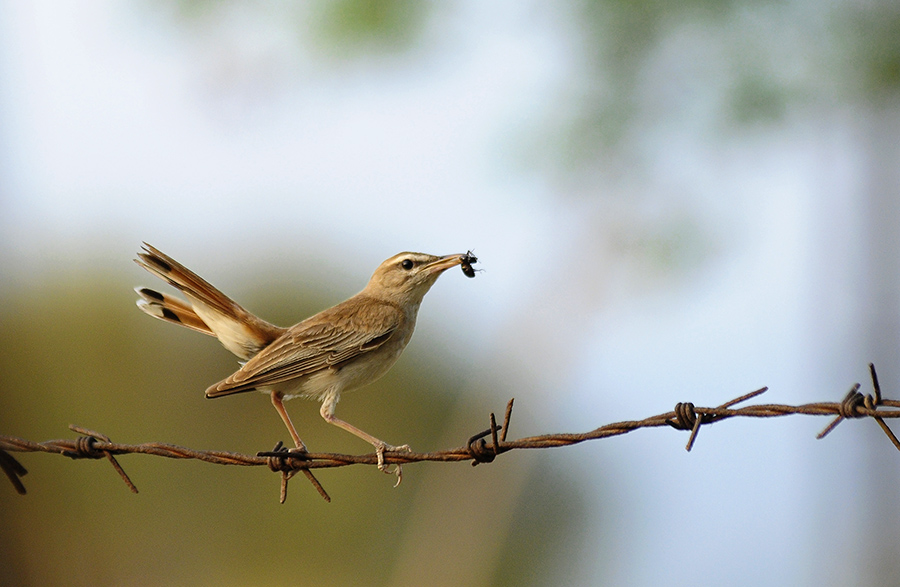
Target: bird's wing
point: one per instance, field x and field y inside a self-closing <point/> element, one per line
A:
<point x="312" y="345"/>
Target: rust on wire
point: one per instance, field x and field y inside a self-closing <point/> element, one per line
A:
<point x="873" y="401"/>
<point x="85" y="448"/>
<point x="506" y="418"/>
<point x="495" y="442"/>
<point x="477" y="448"/>
<point x="14" y="471"/>
<point x="278" y="462"/>
<point x="686" y="416"/>
<point x="857" y="405"/>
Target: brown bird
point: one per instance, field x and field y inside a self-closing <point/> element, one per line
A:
<point x="337" y="350"/>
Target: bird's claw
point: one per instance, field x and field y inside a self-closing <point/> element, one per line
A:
<point x="386" y="468"/>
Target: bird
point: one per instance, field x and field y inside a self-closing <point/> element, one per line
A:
<point x="339" y="349"/>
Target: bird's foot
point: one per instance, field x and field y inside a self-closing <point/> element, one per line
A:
<point x="397" y="470"/>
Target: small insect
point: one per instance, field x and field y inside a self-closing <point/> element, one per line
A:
<point x="466" y="264"/>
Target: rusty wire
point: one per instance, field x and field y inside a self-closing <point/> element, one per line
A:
<point x="685" y="416"/>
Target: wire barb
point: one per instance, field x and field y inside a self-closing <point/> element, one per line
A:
<point x="85" y="448"/>
<point x="14" y="471"/>
<point x="477" y="448"/>
<point x="686" y="416"/>
<point x="476" y="445"/>
<point x="873" y="401"/>
<point x="857" y="405"/>
<point x="288" y="463"/>
<point x="506" y="417"/>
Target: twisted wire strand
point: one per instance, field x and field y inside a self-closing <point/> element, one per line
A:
<point x="480" y="448"/>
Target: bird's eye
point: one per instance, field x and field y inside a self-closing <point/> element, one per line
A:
<point x="406" y="264"/>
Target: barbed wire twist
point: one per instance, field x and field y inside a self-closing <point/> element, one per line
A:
<point x="686" y="416"/>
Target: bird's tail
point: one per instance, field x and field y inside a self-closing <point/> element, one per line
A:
<point x="209" y="311"/>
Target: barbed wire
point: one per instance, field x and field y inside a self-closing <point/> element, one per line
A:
<point x="686" y="416"/>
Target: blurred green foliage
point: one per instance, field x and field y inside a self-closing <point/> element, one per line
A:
<point x="876" y="36"/>
<point x="351" y="27"/>
<point x="346" y="29"/>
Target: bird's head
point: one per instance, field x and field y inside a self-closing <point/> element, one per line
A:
<point x="407" y="277"/>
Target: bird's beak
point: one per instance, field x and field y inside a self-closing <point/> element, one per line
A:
<point x="444" y="263"/>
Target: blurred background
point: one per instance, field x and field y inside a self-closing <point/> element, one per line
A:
<point x="670" y="201"/>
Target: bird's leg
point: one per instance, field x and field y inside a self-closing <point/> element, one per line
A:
<point x="381" y="446"/>
<point x="279" y="406"/>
